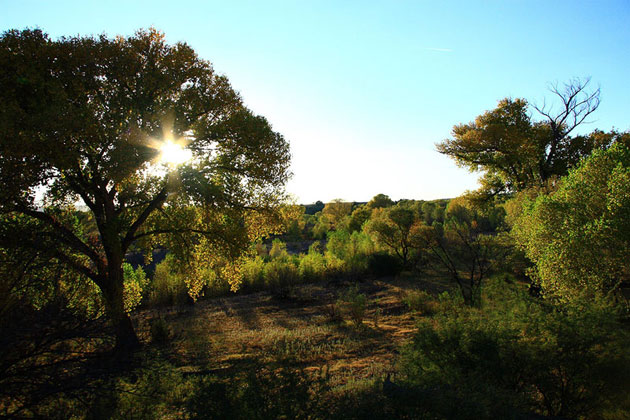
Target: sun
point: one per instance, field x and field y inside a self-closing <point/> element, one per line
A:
<point x="173" y="153"/>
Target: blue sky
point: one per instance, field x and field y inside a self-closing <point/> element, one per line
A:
<point x="363" y="90"/>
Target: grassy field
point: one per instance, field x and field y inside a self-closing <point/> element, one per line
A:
<point x="311" y="325"/>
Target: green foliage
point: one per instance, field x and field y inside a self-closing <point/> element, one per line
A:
<point x="281" y="275"/>
<point x="167" y="286"/>
<point x="311" y="209"/>
<point x="212" y="399"/>
<point x="391" y="228"/>
<point x="280" y="272"/>
<point x="278" y="250"/>
<point x="433" y="211"/>
<point x="579" y="236"/>
<point x="334" y="216"/>
<point x="380" y="201"/>
<point x="274" y="392"/>
<point x="154" y="390"/>
<point x="335" y="213"/>
<point x="521" y="355"/>
<point x="253" y="274"/>
<point x="461" y="248"/>
<point x="354" y="305"/>
<point x="384" y="264"/>
<point x="359" y="216"/>
<point x="349" y="252"/>
<point x="320" y="228"/>
<point x="135" y="282"/>
<point x="33" y="277"/>
<point x="312" y="266"/>
<point x="421" y="302"/>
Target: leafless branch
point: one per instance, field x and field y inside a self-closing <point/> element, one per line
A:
<point x="577" y="103"/>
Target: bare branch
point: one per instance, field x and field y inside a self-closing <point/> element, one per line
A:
<point x="577" y="104"/>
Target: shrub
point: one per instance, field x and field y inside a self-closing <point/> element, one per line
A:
<point x="281" y="276"/>
<point x="154" y="390"/>
<point x="168" y="286"/>
<point x="354" y="305"/>
<point x="312" y="266"/>
<point x="278" y="250"/>
<point x="274" y="392"/>
<point x="520" y="355"/>
<point x="212" y="399"/>
<point x="160" y="331"/>
<point x="348" y="253"/>
<point x="253" y="274"/>
<point x="422" y="302"/>
<point x="578" y="237"/>
<point x="383" y="264"/>
<point x="214" y="285"/>
<point x="135" y="281"/>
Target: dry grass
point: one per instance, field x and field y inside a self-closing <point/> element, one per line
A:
<point x="225" y="335"/>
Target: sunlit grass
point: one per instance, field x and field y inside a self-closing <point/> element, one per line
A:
<point x="227" y="335"/>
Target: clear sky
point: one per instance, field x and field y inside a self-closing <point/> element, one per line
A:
<point x="364" y="89"/>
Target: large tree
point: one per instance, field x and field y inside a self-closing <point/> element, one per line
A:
<point x="145" y="136"/>
<point x="517" y="151"/>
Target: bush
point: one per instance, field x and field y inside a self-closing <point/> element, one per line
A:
<point x="520" y="355"/>
<point x="383" y="264"/>
<point x="214" y="284"/>
<point x="160" y="331"/>
<point x="312" y="266"/>
<point x="274" y="392"/>
<point x="278" y="250"/>
<point x="135" y="281"/>
<point x="578" y="237"/>
<point x="155" y="390"/>
<point x="422" y="302"/>
<point x="354" y="305"/>
<point x="352" y="250"/>
<point x="253" y="274"/>
<point x="281" y="276"/>
<point x="168" y="286"/>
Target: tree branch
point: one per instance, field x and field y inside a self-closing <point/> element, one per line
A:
<point x="68" y="237"/>
<point x="157" y="202"/>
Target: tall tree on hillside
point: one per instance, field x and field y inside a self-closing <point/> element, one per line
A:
<point x="143" y="134"/>
<point x="516" y="151"/>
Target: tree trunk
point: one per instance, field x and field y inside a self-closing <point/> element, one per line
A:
<point x="126" y="338"/>
<point x="467" y="292"/>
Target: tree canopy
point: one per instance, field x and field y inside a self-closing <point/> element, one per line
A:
<point x="391" y="226"/>
<point x="517" y="151"/>
<point x="85" y="120"/>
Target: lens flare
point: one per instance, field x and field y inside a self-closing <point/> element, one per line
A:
<point x="173" y="153"/>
